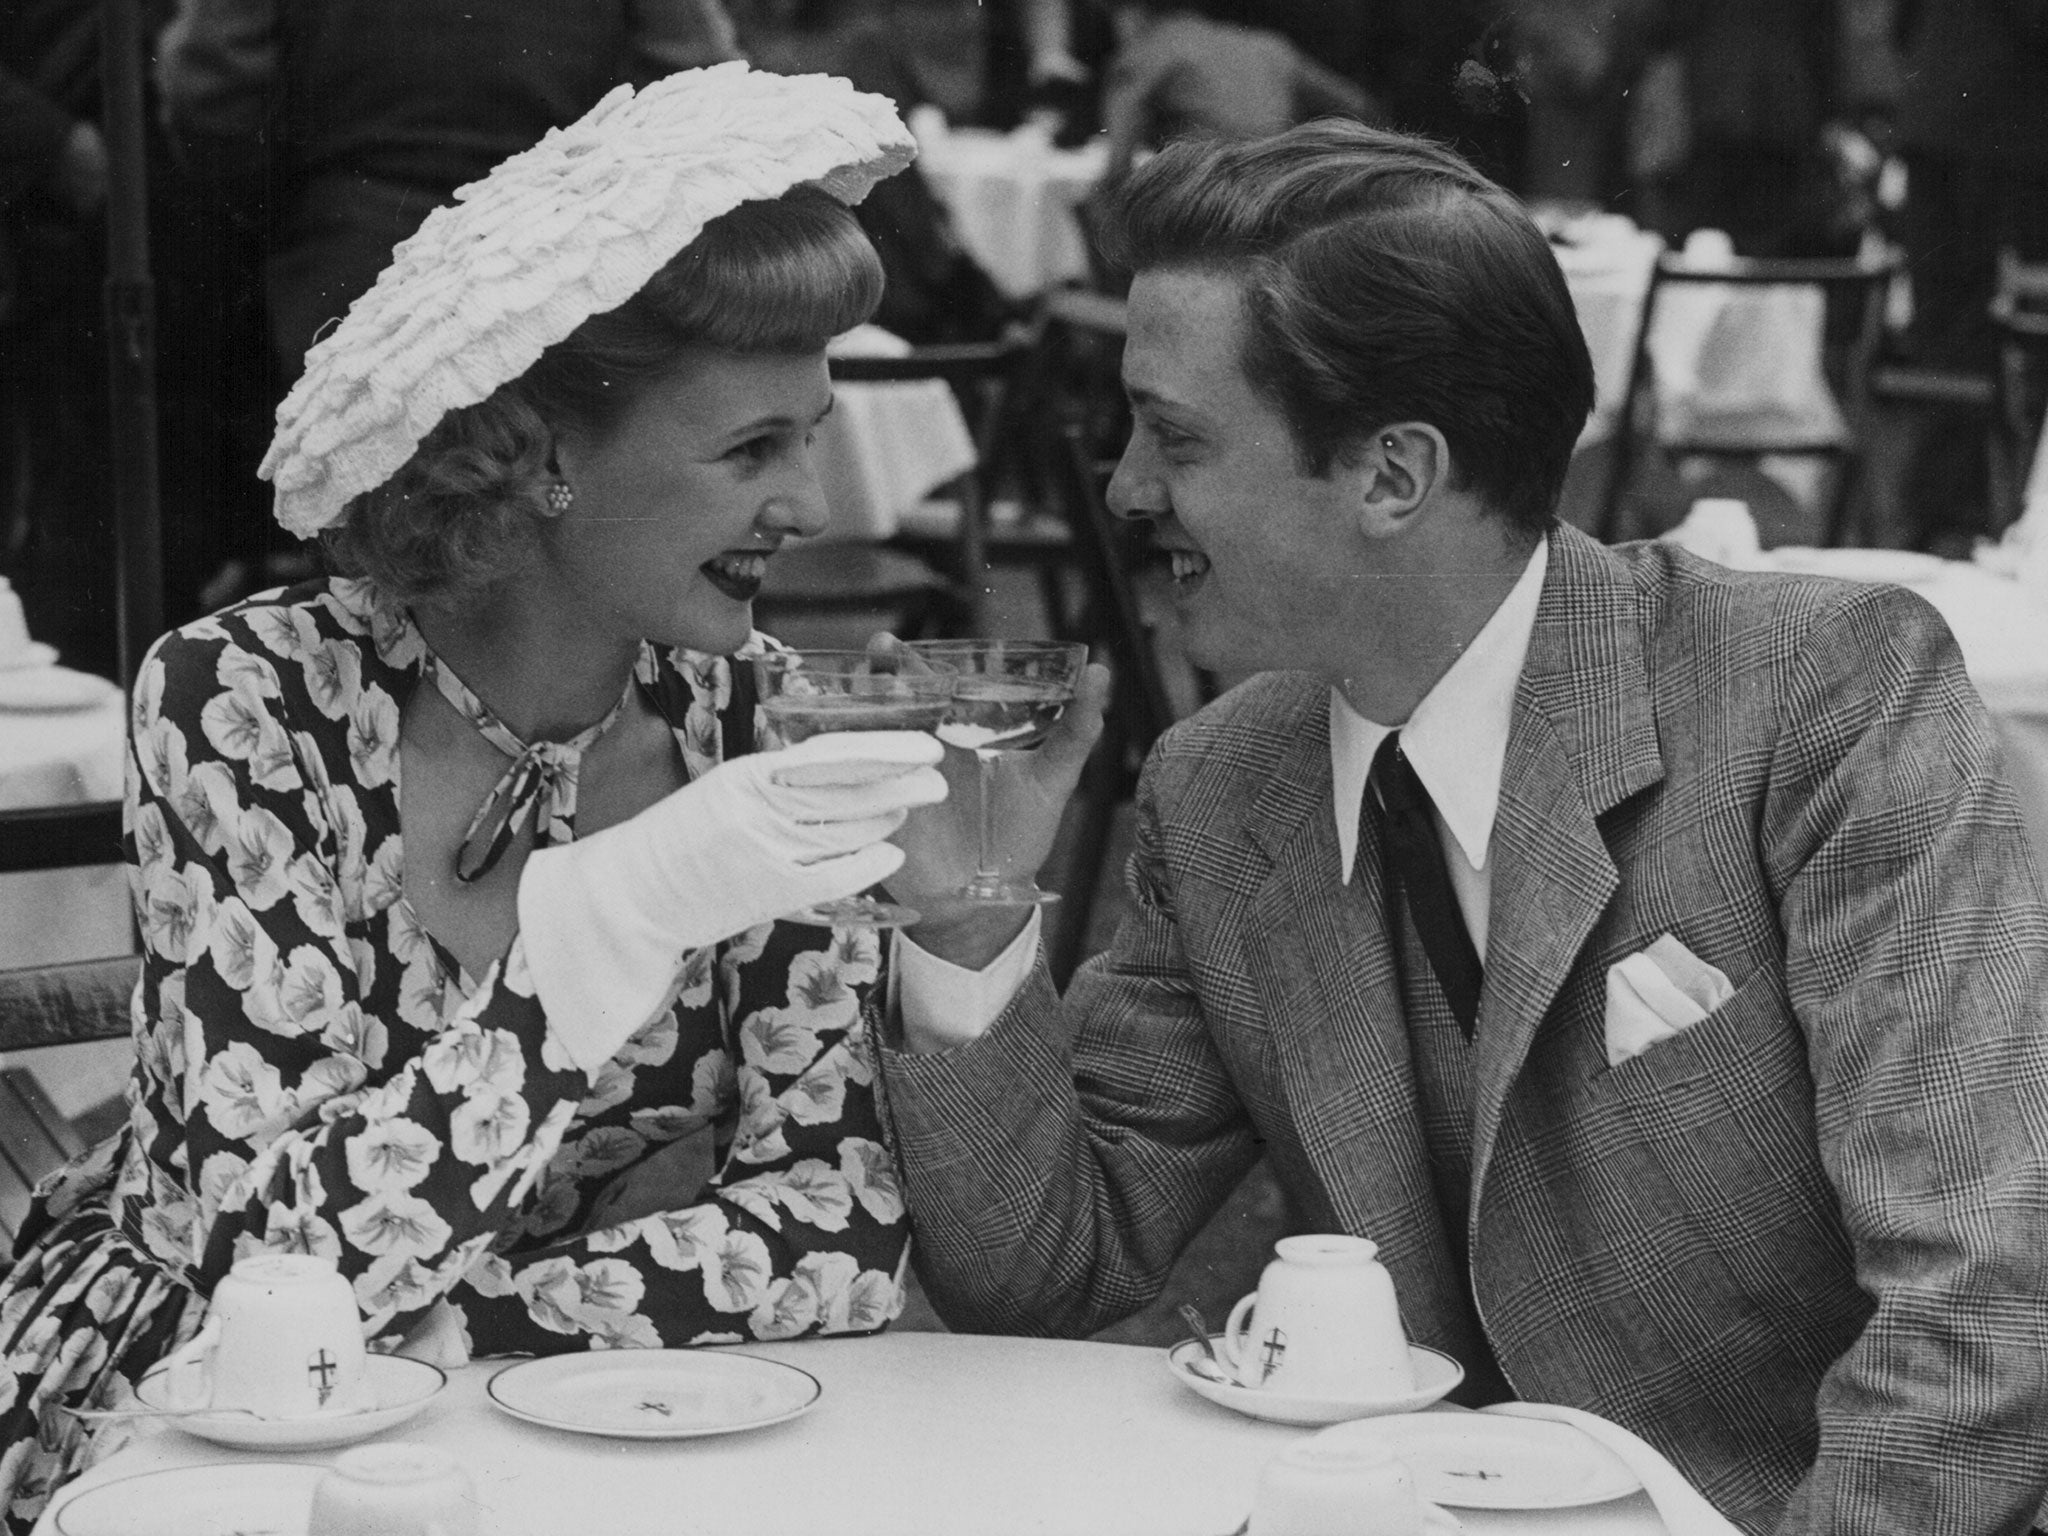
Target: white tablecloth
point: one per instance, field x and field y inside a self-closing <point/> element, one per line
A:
<point x="945" y="1434"/>
<point x="62" y="759"/>
<point x="1012" y="198"/>
<point x="886" y="447"/>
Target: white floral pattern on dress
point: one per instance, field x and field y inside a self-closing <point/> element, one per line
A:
<point x="314" y="1074"/>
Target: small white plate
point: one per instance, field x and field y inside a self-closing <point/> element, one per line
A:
<point x="399" y="1387"/>
<point x="654" y="1394"/>
<point x="1493" y="1461"/>
<point x="245" y="1498"/>
<point x="1435" y="1374"/>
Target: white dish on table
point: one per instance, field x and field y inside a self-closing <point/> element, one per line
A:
<point x="1488" y="1461"/>
<point x="1435" y="1375"/>
<point x="247" y="1498"/>
<point x="52" y="689"/>
<point x="654" y="1394"/>
<point x="399" y="1388"/>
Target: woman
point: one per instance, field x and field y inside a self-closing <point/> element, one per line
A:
<point x="536" y="1085"/>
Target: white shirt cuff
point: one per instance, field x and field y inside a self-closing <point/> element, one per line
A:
<point x="942" y="1005"/>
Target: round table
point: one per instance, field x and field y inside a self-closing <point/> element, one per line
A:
<point x="946" y="1434"/>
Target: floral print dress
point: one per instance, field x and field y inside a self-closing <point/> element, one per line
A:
<point x="314" y="1073"/>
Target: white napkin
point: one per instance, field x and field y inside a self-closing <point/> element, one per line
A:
<point x="1721" y="529"/>
<point x="1655" y="993"/>
<point x="1683" y="1509"/>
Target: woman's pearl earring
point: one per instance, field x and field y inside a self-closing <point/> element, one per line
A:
<point x="560" y="498"/>
<point x="1385" y="442"/>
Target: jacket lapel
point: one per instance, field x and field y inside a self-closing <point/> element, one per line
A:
<point x="1583" y="740"/>
<point x="1324" y="968"/>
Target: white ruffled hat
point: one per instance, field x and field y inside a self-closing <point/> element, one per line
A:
<point x="568" y="229"/>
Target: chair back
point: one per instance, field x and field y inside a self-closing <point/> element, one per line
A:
<point x="60" y="837"/>
<point x="2019" y="311"/>
<point x="43" y="1008"/>
<point x="1850" y="295"/>
<point x="985" y="376"/>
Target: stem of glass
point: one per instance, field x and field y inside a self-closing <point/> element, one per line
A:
<point x="986" y="873"/>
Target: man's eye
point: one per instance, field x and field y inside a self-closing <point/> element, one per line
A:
<point x="1170" y="440"/>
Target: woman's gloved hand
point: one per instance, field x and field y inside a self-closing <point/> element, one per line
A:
<point x="606" y="920"/>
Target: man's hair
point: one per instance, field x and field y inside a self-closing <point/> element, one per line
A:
<point x="1383" y="279"/>
<point x="778" y="275"/>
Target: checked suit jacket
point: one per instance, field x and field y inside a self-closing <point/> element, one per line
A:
<point x="1801" y="1247"/>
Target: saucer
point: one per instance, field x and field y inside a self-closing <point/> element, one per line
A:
<point x="1435" y="1374"/>
<point x="223" y="1499"/>
<point x="1494" y="1461"/>
<point x="400" y="1386"/>
<point x="654" y="1394"/>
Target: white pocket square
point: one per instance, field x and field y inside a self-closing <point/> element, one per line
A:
<point x="1657" y="992"/>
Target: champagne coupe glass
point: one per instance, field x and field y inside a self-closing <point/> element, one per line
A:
<point x="1006" y="696"/>
<point x="808" y="693"/>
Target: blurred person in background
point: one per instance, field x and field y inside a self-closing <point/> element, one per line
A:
<point x="365" y="115"/>
<point x="1973" y="130"/>
<point x="1043" y="60"/>
<point x="1178" y="73"/>
<point x="56" y="514"/>
<point x="1755" y="82"/>
<point x="339" y="125"/>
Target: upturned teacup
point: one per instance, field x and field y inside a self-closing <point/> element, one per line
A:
<point x="1318" y="1487"/>
<point x="282" y="1339"/>
<point x="1324" y="1322"/>
<point x="394" y="1489"/>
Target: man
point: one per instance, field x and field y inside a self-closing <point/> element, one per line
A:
<point x="1799" y="1242"/>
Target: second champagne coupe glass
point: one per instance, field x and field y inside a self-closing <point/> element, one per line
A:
<point x="1006" y="696"/>
<point x="808" y="693"/>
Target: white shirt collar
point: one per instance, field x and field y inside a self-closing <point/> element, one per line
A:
<point x="1457" y="737"/>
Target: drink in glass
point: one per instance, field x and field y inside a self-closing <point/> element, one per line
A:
<point x="809" y="693"/>
<point x="1006" y="697"/>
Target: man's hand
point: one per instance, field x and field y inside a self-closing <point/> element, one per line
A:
<point x="940" y="842"/>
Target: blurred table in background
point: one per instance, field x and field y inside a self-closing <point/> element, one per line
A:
<point x="1012" y="197"/>
<point x="2000" y="621"/>
<point x="51" y="916"/>
<point x="886" y="447"/>
<point x="62" y="758"/>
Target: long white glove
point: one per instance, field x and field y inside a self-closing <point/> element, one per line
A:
<point x="606" y="920"/>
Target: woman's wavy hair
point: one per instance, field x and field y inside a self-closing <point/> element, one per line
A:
<point x="778" y="275"/>
<point x="1383" y="279"/>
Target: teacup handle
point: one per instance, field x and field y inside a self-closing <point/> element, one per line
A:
<point x="1235" y="1332"/>
<point x="188" y="1368"/>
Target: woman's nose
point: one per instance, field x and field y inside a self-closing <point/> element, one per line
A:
<point x="1132" y="492"/>
<point x="798" y="505"/>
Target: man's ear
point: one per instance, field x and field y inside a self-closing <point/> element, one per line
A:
<point x="1398" y="475"/>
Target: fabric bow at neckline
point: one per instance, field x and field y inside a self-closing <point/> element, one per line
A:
<point x="539" y="786"/>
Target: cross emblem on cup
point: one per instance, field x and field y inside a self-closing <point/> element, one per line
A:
<point x="320" y="1366"/>
<point x="1273" y="1351"/>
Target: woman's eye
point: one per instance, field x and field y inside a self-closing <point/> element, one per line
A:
<point x="755" y="450"/>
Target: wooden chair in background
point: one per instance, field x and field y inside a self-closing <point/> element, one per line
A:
<point x="1854" y="289"/>
<point x="53" y="1006"/>
<point x="2019" y="311"/>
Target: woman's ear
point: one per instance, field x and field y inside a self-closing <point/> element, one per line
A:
<point x="1398" y="476"/>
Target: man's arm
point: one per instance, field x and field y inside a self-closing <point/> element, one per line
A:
<point x="1917" y="961"/>
<point x="1054" y="1180"/>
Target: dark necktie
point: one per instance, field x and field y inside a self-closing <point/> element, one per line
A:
<point x="1415" y="866"/>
